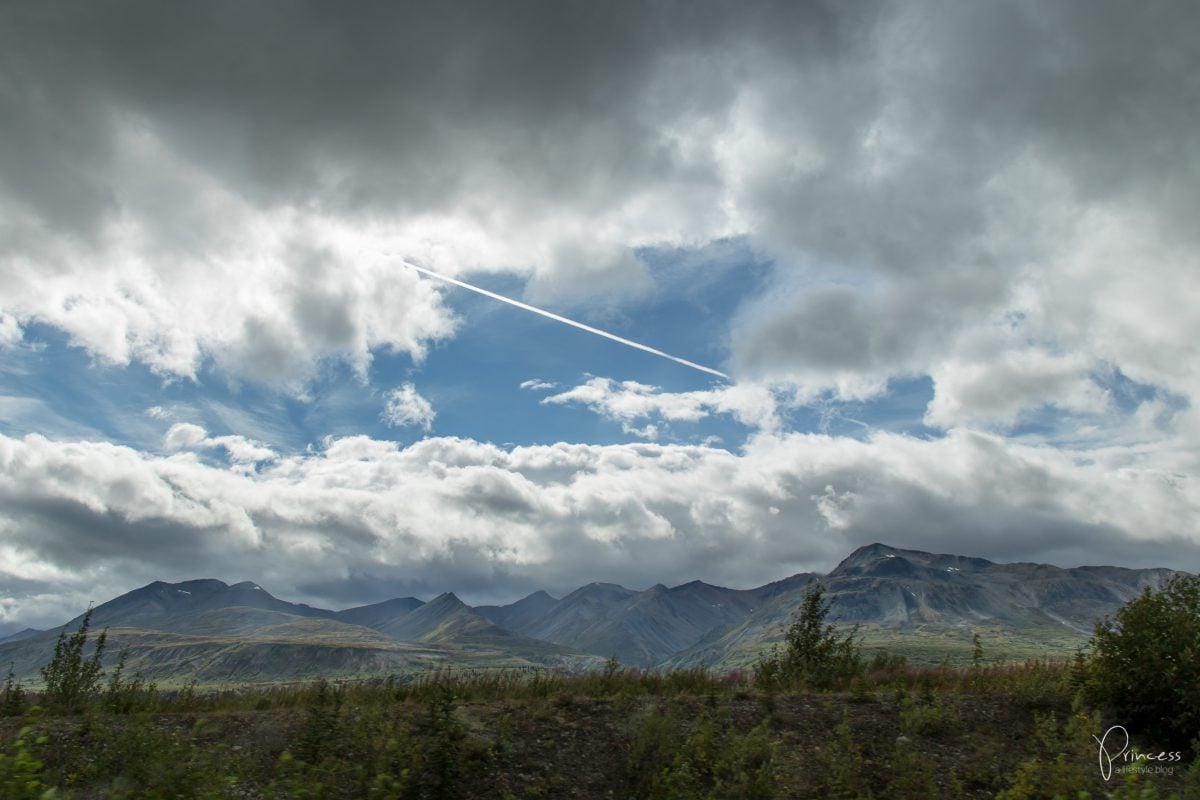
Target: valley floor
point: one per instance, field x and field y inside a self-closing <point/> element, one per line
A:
<point x="913" y="733"/>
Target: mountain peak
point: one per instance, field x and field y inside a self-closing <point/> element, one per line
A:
<point x="597" y="591"/>
<point x="696" y="584"/>
<point x="875" y="550"/>
<point x="874" y="557"/>
<point x="446" y="600"/>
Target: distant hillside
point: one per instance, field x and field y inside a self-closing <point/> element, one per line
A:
<point x="377" y="615"/>
<point x="925" y="605"/>
<point x="521" y="613"/>
<point x="213" y="633"/>
<point x="19" y="635"/>
<point x="929" y="603"/>
<point x="175" y="606"/>
<point x="640" y="628"/>
<point x="888" y="585"/>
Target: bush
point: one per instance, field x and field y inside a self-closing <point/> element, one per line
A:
<point x="20" y="767"/>
<point x="712" y="763"/>
<point x="815" y="656"/>
<point x="1064" y="763"/>
<point x="70" y="678"/>
<point x="842" y="770"/>
<point x="12" y="696"/>
<point x="926" y="718"/>
<point x="1145" y="665"/>
<point x="126" y="695"/>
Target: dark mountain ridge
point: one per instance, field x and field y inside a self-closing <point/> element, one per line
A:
<point x="891" y="592"/>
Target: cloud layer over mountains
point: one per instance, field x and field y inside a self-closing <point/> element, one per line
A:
<point x="368" y="519"/>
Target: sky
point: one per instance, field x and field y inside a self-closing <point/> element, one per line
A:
<point x="945" y="252"/>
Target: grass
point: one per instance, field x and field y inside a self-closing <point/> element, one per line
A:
<point x="902" y="731"/>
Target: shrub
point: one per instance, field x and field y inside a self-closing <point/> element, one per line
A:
<point x="1145" y="666"/>
<point x="887" y="663"/>
<point x="136" y="756"/>
<point x="1065" y="761"/>
<point x="815" y="655"/>
<point x="322" y="723"/>
<point x="844" y="775"/>
<point x="12" y="697"/>
<point x="441" y="778"/>
<point x="20" y="767"/>
<point x="913" y="776"/>
<point x="70" y="678"/>
<point x="925" y="717"/>
<point x="712" y="763"/>
<point x="126" y="695"/>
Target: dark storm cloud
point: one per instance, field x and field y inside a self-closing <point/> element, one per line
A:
<point x="920" y="156"/>
<point x="146" y="144"/>
<point x="379" y="103"/>
<point x="991" y="131"/>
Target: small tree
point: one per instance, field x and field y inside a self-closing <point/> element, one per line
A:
<point x="1145" y="666"/>
<point x="816" y="656"/>
<point x="12" y="696"/>
<point x="70" y="678"/>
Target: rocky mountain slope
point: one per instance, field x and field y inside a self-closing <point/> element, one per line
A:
<point x="924" y="603"/>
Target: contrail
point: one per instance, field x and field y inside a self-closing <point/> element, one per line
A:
<point x="565" y="321"/>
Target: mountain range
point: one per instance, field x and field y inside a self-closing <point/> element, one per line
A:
<point x="927" y="606"/>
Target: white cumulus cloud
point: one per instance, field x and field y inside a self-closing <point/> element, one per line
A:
<point x="405" y="406"/>
<point x="361" y="519"/>
<point x="627" y="402"/>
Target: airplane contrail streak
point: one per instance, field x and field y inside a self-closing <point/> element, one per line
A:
<point x="565" y="321"/>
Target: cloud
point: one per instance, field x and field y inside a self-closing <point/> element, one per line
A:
<point x="163" y="213"/>
<point x="998" y="196"/>
<point x="93" y="519"/>
<point x="630" y="401"/>
<point x="10" y="330"/>
<point x="932" y="204"/>
<point x="537" y="385"/>
<point x="996" y="390"/>
<point x="406" y="407"/>
<point x="242" y="452"/>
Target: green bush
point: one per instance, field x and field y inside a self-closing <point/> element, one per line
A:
<point x="21" y="768"/>
<point x="1066" y="760"/>
<point x="912" y="775"/>
<point x="12" y="697"/>
<point x="1145" y="665"/>
<point x="71" y="679"/>
<point x="843" y="771"/>
<point x="442" y="774"/>
<point x="711" y="763"/>
<point x="815" y="655"/>
<point x="926" y="716"/>
<point x="126" y="695"/>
